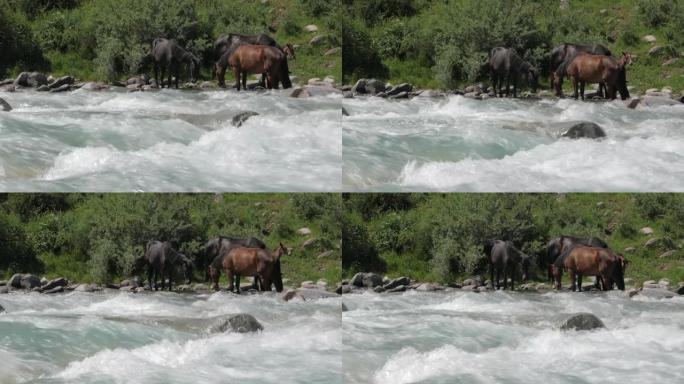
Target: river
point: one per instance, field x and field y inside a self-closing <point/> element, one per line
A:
<point x="502" y="337"/>
<point x="170" y="140"/>
<point x="511" y="145"/>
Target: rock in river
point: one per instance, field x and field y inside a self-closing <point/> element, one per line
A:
<point x="581" y="322"/>
<point x="241" y="117"/>
<point x="5" y="105"/>
<point x="241" y="323"/>
<point x="584" y="129"/>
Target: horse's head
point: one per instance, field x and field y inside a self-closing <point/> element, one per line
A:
<point x="558" y="83"/>
<point x="194" y="68"/>
<point x="188" y="268"/>
<point x="525" y="262"/>
<point x="533" y="78"/>
<point x="281" y="250"/>
<point x="289" y="51"/>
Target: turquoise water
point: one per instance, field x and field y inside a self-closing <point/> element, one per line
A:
<point x="460" y="144"/>
<point x="502" y="337"/>
<point x="161" y="338"/>
<point x="169" y="141"/>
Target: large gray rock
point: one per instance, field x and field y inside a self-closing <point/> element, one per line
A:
<point x="656" y="293"/>
<point x="240" y="323"/>
<point x="374" y="86"/>
<point x="61" y="88"/>
<point x="58" y="282"/>
<point x="583" y="129"/>
<point x="2" y="309"/>
<point x="344" y="308"/>
<point x="5" y="105"/>
<point x="359" y="87"/>
<point x="56" y="289"/>
<point x="30" y="79"/>
<point x="15" y="280"/>
<point x="403" y="87"/>
<point x="581" y="322"/>
<point x="657" y="101"/>
<point x="29" y="281"/>
<point x="241" y="117"/>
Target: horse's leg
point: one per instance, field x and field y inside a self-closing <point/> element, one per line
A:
<point x="579" y="282"/>
<point x="498" y="278"/>
<point x="515" y="86"/>
<point x="163" y="72"/>
<point x="571" y="273"/>
<point x="237" y="283"/>
<point x="168" y="83"/>
<point x="491" y="274"/>
<point x="229" y="276"/>
<point x="244" y="80"/>
<point x="156" y="73"/>
<point x="513" y="277"/>
<point x="170" y="282"/>
<point x="582" y="84"/>
<point x="508" y="90"/>
<point x="575" y="93"/>
<point x="236" y="75"/>
<point x="505" y="277"/>
<point x="177" y="74"/>
<point x="150" y="272"/>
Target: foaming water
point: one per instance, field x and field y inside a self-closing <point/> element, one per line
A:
<point x="502" y="337"/>
<point x="460" y="144"/>
<point x="169" y="141"/>
<point x="152" y="338"/>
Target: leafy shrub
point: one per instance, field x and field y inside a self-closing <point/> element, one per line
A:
<point x="357" y="249"/>
<point x="358" y="54"/>
<point x="656" y="12"/>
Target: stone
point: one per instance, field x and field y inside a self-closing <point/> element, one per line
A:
<point x="398" y="282"/>
<point x="359" y="87"/>
<point x="344" y="308"/>
<point x="61" y="81"/>
<point x="304" y="231"/>
<point x="311" y="28"/>
<point x="56" y="289"/>
<point x="289" y="294"/>
<point x="200" y="287"/>
<point x="429" y="287"/>
<point x="240" y="323"/>
<point x="655" y="101"/>
<point x="357" y="280"/>
<point x="379" y="289"/>
<point x="680" y="290"/>
<point x="401" y="288"/>
<point x="581" y="322"/>
<point x="657" y="242"/>
<point x="401" y="95"/>
<point x="317" y="40"/>
<point x="667" y="254"/>
<point x="299" y="92"/>
<point x="332" y="51"/>
<point x="308" y="284"/>
<point x="314" y="294"/>
<point x="58" y="282"/>
<point x="43" y="88"/>
<point x="241" y="117"/>
<point x="84" y="288"/>
<point x="29" y="281"/>
<point x="655" y="50"/>
<point x="584" y="129"/>
<point x="374" y="86"/>
<point x="656" y="293"/>
<point x="62" y="88"/>
<point x="322" y="90"/>
<point x="310" y="243"/>
<point x="2" y="309"/>
<point x="30" y="79"/>
<point x="646" y="230"/>
<point x="371" y="280"/>
<point x="670" y="62"/>
<point x="4" y="289"/>
<point x="5" y="105"/>
<point x="92" y="86"/>
<point x="208" y="85"/>
<point x="649" y="39"/>
<point x="324" y="254"/>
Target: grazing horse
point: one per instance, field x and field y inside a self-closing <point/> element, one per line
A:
<point x="504" y="257"/>
<point x="162" y="259"/>
<point x="249" y="261"/>
<point x="557" y="247"/>
<point x="232" y="40"/>
<point x="254" y="59"/>
<point x="168" y="55"/>
<point x="567" y="50"/>
<point x="607" y="265"/>
<point x="507" y="66"/>
<point x="585" y="68"/>
<point x="222" y="244"/>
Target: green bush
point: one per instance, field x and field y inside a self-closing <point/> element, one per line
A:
<point x="359" y="57"/>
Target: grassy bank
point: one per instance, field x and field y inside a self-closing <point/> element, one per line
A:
<point x="97" y="237"/>
<point x="439" y="237"/>
<point x="444" y="44"/>
<point x="80" y="38"/>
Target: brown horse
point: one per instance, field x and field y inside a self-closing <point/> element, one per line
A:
<point x="254" y="59"/>
<point x="252" y="262"/>
<point x="603" y="263"/>
<point x="586" y="68"/>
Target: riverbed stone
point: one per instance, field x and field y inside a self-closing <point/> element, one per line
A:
<point x="646" y="230"/>
<point x="30" y="79"/>
<point x="581" y="322"/>
<point x="240" y="323"/>
<point x="584" y="129"/>
<point x="429" y="287"/>
<point x="656" y="293"/>
<point x="57" y="289"/>
<point x="4" y="288"/>
<point x="58" y="282"/>
<point x="668" y="254"/>
<point x="400" y="288"/>
<point x="241" y="117"/>
<point x="379" y="289"/>
<point x="374" y="86"/>
<point x="397" y="282"/>
<point x="344" y="308"/>
<point x="317" y="40"/>
<point x="29" y="281"/>
<point x="5" y="105"/>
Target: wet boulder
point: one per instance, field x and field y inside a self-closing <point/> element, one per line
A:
<point x="374" y="86"/>
<point x="300" y="92"/>
<point x="93" y="86"/>
<point x="581" y="322"/>
<point x="64" y="80"/>
<point x="398" y="282"/>
<point x="15" y="280"/>
<point x="369" y="280"/>
<point x="58" y="282"/>
<point x="403" y="87"/>
<point x="241" y="117"/>
<point x="29" y="281"/>
<point x="62" y="88"/>
<point x="30" y="79"/>
<point x="359" y="87"/>
<point x="240" y="323"/>
<point x="56" y="289"/>
<point x="583" y="129"/>
<point x="5" y="105"/>
<point x="344" y="308"/>
<point x="656" y="293"/>
<point x="344" y="112"/>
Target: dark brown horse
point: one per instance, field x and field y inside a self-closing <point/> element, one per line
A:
<point x="604" y="263"/>
<point x="506" y="66"/>
<point x="585" y="68"/>
<point x="504" y="257"/>
<point x="162" y="260"/>
<point x="168" y="55"/>
<point x="559" y="245"/>
<point x="249" y="261"/>
<point x="254" y="59"/>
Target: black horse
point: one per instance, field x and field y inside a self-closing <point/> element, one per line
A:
<point x="504" y="257"/>
<point x="161" y="260"/>
<point x="168" y="55"/>
<point x="506" y="66"/>
<point x="560" y="246"/>
<point x="567" y="51"/>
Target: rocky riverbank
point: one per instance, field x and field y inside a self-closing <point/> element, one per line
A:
<point x="369" y="281"/>
<point x="377" y="88"/>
